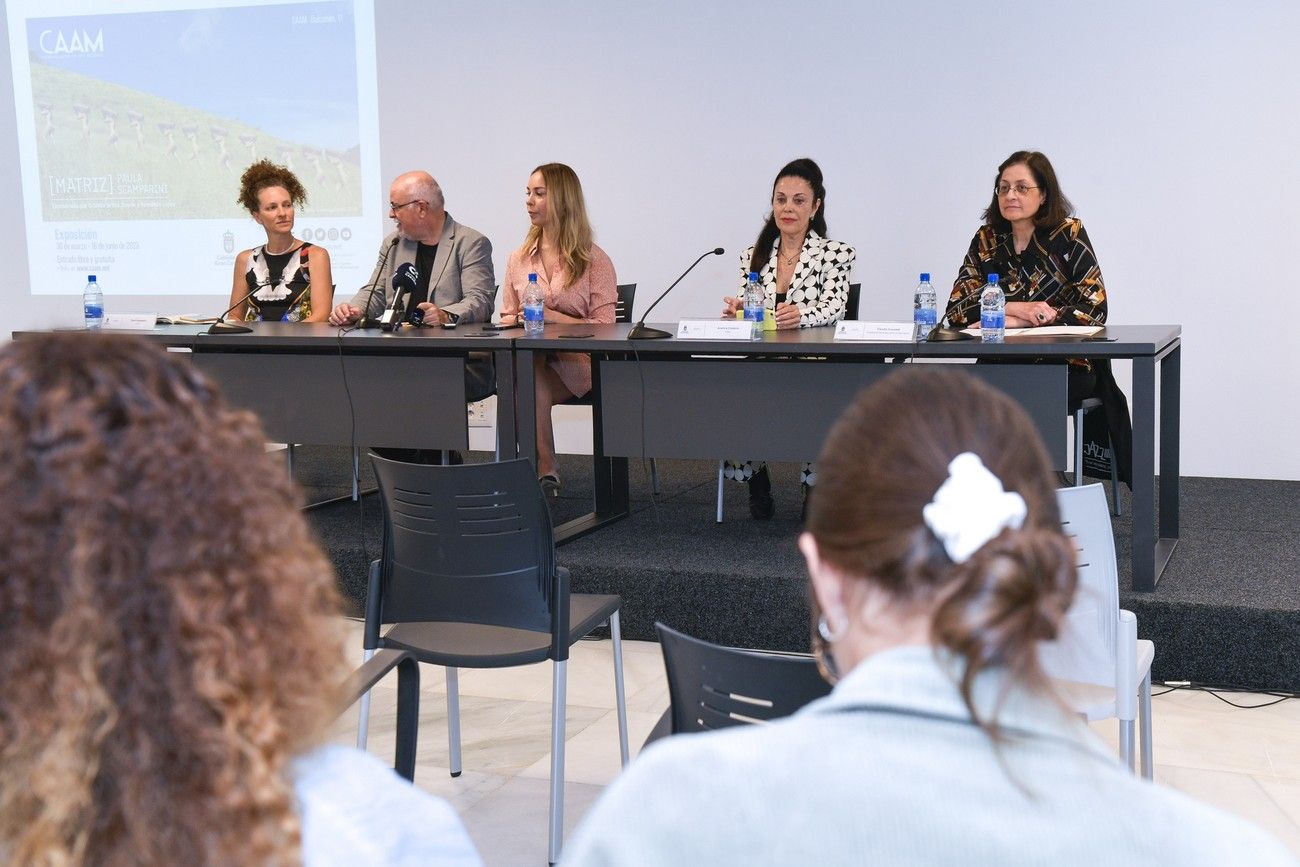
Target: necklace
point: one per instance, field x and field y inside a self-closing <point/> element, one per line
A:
<point x="789" y="260"/>
<point x="271" y="252"/>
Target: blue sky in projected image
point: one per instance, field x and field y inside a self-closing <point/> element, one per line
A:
<point x="252" y="64"/>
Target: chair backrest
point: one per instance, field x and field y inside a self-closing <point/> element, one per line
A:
<point x="712" y="687"/>
<point x="623" y="306"/>
<point x="1085" y="650"/>
<point x="851" y="306"/>
<point x="470" y="544"/>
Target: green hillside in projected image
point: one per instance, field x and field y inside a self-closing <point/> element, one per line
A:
<point x="108" y="152"/>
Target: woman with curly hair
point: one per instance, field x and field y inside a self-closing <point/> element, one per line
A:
<point x="284" y="280"/>
<point x="172" y="640"/>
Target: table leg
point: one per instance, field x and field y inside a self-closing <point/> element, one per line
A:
<point x="526" y="405"/>
<point x="1144" y="444"/>
<point x="507" y="422"/>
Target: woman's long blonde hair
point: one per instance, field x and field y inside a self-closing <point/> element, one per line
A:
<point x="571" y="232"/>
<point x="171" y="637"/>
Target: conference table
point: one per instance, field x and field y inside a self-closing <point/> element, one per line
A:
<point x="316" y="384"/>
<point x="776" y="399"/>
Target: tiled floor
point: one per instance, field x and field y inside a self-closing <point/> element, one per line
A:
<point x="1245" y="761"/>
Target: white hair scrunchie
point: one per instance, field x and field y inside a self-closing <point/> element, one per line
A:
<point x="971" y="507"/>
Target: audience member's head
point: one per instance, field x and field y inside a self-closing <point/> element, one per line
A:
<point x="170" y="641"/>
<point x="908" y="546"/>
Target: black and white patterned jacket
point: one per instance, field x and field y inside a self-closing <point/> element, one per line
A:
<point x="820" y="287"/>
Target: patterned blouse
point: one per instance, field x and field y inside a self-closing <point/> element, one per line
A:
<point x="280" y="297"/>
<point x="820" y="285"/>
<point x="1058" y="267"/>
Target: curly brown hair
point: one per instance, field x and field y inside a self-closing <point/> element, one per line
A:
<point x="263" y="174"/>
<point x="171" y="629"/>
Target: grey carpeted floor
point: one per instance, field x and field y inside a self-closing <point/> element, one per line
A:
<point x="1227" y="610"/>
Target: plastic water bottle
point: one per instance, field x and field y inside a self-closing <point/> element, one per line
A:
<point x="993" y="311"/>
<point x="925" y="309"/>
<point x="754" y="304"/>
<point x="534" y="309"/>
<point x="92" y="302"/>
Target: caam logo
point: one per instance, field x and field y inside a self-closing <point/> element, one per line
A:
<point x="71" y="42"/>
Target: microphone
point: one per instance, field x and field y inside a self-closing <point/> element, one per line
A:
<point x="366" y="320"/>
<point x="404" y="282"/>
<point x="640" y="331"/>
<point x="221" y="326"/>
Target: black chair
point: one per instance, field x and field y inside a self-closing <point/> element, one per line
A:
<point x="851" y="306"/>
<point x="713" y="687"/>
<point x="468" y="579"/>
<point x="373" y="670"/>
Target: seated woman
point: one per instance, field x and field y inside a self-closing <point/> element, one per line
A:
<point x="579" y="285"/>
<point x="1042" y="256"/>
<point x="938" y="564"/>
<point x="172" y="635"/>
<point x="805" y="278"/>
<point x="284" y="280"/>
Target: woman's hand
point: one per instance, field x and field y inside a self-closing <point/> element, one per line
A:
<point x="1030" y="314"/>
<point x="787" y="315"/>
<point x="730" y="306"/>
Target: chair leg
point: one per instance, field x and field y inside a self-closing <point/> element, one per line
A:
<point x="356" y="474"/>
<point x="1078" y="447"/>
<point x="288" y="458"/>
<point x="1144" y="723"/>
<point x="720" y="466"/>
<point x="453" y="720"/>
<point x="620" y="696"/>
<point x="654" y="477"/>
<point x="1126" y="743"/>
<point x="363" y="713"/>
<point x="558" y="707"/>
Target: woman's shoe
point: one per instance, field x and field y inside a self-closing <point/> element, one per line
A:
<point x="761" y="504"/>
<point x="550" y="485"/>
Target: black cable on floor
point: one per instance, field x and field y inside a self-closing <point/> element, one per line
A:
<point x="1279" y="696"/>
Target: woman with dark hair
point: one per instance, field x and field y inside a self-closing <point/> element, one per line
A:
<point x="578" y="284"/>
<point x="172" y="635"/>
<point x="284" y="280"/>
<point x="937" y="565"/>
<point x="1042" y="256"/>
<point x="805" y="278"/>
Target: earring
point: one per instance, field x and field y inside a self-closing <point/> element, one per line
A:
<point x="824" y="630"/>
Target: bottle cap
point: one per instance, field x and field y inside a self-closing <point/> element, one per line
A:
<point x="91" y="279"/>
<point x="925" y="276"/>
<point x="753" y="275"/>
<point x="993" y="278"/>
<point x="532" y="278"/>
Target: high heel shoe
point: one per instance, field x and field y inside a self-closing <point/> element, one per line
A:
<point x="550" y="485"/>
<point x="761" y="505"/>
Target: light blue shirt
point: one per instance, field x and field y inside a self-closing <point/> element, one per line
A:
<point x="889" y="769"/>
<point x="356" y="812"/>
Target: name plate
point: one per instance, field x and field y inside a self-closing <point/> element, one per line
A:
<point x="130" y="321"/>
<point x="715" y="329"/>
<point x="881" y="332"/>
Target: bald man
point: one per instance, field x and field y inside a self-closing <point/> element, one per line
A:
<point x="454" y="262"/>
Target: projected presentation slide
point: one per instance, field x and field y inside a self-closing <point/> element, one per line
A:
<point x="135" y="125"/>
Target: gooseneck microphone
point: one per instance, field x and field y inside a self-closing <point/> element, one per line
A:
<point x="640" y="331"/>
<point x="404" y="281"/>
<point x="221" y="326"/>
<point x="366" y="320"/>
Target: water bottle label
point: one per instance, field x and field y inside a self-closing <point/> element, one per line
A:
<point x="925" y="316"/>
<point x="534" y="313"/>
<point x="993" y="319"/>
<point x="94" y="311"/>
<point x="754" y="314"/>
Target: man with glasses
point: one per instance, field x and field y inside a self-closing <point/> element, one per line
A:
<point x="453" y="262"/>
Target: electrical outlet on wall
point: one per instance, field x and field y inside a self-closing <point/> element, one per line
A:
<point x="478" y="414"/>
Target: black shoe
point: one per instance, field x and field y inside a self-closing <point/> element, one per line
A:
<point x="803" y="512"/>
<point x="761" y="505"/>
<point x="550" y="485"/>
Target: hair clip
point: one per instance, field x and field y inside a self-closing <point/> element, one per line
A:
<point x="971" y="507"/>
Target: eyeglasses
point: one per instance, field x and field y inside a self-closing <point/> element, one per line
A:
<point x="1021" y="189"/>
<point x="393" y="206"/>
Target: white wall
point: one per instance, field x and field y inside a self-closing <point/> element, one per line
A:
<point x="1173" y="127"/>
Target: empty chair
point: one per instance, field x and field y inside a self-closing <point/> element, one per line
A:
<point x="711" y="686"/>
<point x="468" y="580"/>
<point x="1098" y="661"/>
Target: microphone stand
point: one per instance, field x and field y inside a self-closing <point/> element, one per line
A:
<point x="366" y="320"/>
<point x="640" y="331"/>
<point x="221" y="326"/>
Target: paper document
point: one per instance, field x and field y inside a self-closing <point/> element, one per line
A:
<point x="185" y="319"/>
<point x="1047" y="331"/>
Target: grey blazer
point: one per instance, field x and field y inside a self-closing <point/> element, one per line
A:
<point x="888" y="769"/>
<point x="462" y="281"/>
